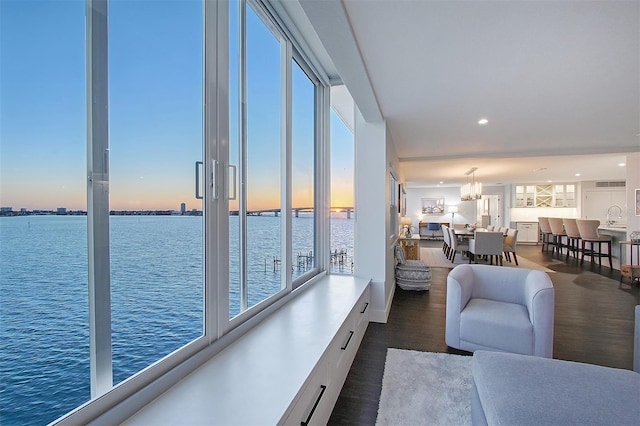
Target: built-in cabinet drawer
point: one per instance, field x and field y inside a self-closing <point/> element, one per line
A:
<point x="312" y="406"/>
<point x="321" y="391"/>
<point x="348" y="340"/>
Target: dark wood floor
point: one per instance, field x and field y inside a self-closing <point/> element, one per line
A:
<point x="594" y="320"/>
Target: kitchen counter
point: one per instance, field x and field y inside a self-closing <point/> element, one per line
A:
<point x="613" y="228"/>
<point x="617" y="234"/>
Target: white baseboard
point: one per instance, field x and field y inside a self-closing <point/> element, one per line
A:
<point x="381" y="316"/>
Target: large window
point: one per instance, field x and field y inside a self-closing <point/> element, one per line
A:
<point x="342" y="197"/>
<point x="303" y="174"/>
<point x="155" y="138"/>
<point x="255" y="127"/>
<point x="272" y="173"/>
<point x="177" y="186"/>
<point x="44" y="332"/>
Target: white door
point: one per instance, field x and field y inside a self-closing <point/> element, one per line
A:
<point x="489" y="205"/>
<point x="596" y="204"/>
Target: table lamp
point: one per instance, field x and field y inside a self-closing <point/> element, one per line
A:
<point x="405" y="221"/>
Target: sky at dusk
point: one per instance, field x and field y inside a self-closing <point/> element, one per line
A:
<point x="155" y="110"/>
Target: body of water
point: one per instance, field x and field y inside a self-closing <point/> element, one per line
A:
<point x="156" y="298"/>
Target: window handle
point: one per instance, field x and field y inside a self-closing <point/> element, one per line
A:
<point x="214" y="180"/>
<point x="198" y="195"/>
<point x="233" y="168"/>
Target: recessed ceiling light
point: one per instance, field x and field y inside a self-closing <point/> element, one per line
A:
<point x="577" y="174"/>
<point x="549" y="181"/>
<point x="483" y="121"/>
<point x="622" y="164"/>
<point x="441" y="182"/>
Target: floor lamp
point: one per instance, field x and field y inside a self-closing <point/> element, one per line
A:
<point x="452" y="210"/>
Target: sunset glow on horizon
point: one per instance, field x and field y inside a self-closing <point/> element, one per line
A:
<point x="155" y="113"/>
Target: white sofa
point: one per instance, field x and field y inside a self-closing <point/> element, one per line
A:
<point x="500" y="309"/>
<point x="511" y="389"/>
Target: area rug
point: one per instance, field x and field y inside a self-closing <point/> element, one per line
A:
<point x="435" y="258"/>
<point x="425" y="388"/>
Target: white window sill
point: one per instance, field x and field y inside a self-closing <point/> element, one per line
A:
<point x="256" y="379"/>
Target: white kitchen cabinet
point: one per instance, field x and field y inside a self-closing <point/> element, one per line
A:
<point x="527" y="232"/>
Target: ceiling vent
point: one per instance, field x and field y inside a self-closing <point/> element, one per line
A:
<point x="611" y="184"/>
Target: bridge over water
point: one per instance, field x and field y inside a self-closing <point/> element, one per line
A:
<point x="296" y="211"/>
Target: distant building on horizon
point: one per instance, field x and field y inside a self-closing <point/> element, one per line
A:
<point x="183" y="208"/>
<point x="6" y="209"/>
<point x="61" y="210"/>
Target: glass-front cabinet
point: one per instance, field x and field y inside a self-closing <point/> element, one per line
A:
<point x="525" y="195"/>
<point x="545" y="195"/>
<point x="565" y="195"/>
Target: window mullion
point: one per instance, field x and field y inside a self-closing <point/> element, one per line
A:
<point x="98" y="197"/>
<point x="323" y="176"/>
<point x="216" y="147"/>
<point x="242" y="167"/>
<point x="286" y="161"/>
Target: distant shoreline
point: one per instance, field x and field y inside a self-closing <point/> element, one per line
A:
<point x="11" y="213"/>
<point x="111" y="213"/>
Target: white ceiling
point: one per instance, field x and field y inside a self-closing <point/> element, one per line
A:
<point x="552" y="77"/>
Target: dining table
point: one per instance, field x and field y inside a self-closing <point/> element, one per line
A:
<point x="468" y="232"/>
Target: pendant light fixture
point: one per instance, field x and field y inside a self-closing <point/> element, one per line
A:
<point x="471" y="190"/>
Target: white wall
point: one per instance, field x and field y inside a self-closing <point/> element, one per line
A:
<point x="371" y="228"/>
<point x="466" y="209"/>
<point x="531" y="214"/>
<point x="633" y="183"/>
<point x="392" y="165"/>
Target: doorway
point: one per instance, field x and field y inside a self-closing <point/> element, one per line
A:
<point x="488" y="211"/>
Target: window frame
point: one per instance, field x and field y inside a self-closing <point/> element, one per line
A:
<point x="108" y="402"/>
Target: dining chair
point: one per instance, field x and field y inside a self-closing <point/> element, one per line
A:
<point x="509" y="245"/>
<point x="487" y="244"/>
<point x="558" y="233"/>
<point x="456" y="245"/>
<point x="446" y="237"/>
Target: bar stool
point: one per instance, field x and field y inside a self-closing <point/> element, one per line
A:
<point x="589" y="234"/>
<point x="545" y="230"/>
<point x="558" y="232"/>
<point x="573" y="237"/>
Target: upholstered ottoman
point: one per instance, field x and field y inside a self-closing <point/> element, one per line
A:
<point x="413" y="275"/>
<point x="513" y="389"/>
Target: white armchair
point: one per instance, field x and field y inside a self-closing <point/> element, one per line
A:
<point x="500" y="309"/>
